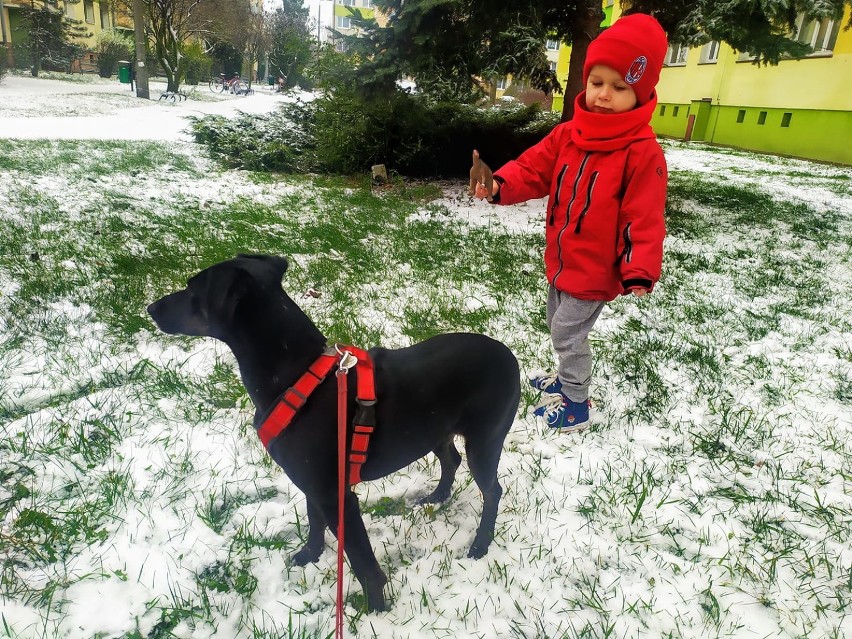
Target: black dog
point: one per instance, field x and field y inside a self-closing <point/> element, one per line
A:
<point x="455" y="384"/>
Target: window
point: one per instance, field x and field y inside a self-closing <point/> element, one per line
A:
<point x="785" y="120"/>
<point x="761" y="117"/>
<point x="369" y="4"/>
<point x="501" y="83"/>
<point x="552" y="45"/>
<point x="740" y="116"/>
<point x="820" y="35"/>
<point x="553" y="67"/>
<point x="347" y="3"/>
<point x="663" y="109"/>
<point x="69" y="10"/>
<point x="676" y="55"/>
<point x="710" y="52"/>
<point x="675" y="111"/>
<point x="89" y="9"/>
<point x="344" y="22"/>
<point x="104" y="14"/>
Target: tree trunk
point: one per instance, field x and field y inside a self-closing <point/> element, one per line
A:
<point x="36" y="58"/>
<point x="586" y="28"/>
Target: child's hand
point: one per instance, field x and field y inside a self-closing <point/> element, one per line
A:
<point x="638" y="291"/>
<point x="482" y="184"/>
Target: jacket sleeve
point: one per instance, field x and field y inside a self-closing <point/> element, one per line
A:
<point x="641" y="222"/>
<point x="529" y="176"/>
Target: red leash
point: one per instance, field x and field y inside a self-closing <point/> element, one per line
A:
<point x="363" y="425"/>
<point x="347" y="361"/>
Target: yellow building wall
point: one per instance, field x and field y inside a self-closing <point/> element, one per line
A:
<point x="77" y="11"/>
<point x="810" y="83"/>
<point x="799" y="107"/>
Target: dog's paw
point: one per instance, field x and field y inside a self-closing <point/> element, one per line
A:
<point x="476" y="552"/>
<point x="479" y="547"/>
<point x="436" y="497"/>
<point x="307" y="556"/>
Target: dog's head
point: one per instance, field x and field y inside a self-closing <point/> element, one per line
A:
<point x="212" y="298"/>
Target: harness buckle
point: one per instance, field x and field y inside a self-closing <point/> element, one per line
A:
<point x="366" y="414"/>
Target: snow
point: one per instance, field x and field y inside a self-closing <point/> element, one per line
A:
<point x="548" y="571"/>
<point x="66" y="111"/>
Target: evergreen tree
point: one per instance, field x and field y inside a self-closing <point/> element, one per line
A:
<point x="454" y="47"/>
<point x="766" y="29"/>
<point x="49" y="35"/>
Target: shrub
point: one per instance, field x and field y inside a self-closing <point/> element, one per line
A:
<point x="198" y="65"/>
<point x="416" y="137"/>
<point x="256" y="142"/>
<point x="111" y="45"/>
<point x="344" y="134"/>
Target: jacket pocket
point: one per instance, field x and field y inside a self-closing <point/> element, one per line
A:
<point x="588" y="204"/>
<point x="556" y="195"/>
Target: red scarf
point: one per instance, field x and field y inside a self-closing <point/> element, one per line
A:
<point x="610" y="131"/>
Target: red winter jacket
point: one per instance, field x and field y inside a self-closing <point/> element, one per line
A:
<point x="606" y="177"/>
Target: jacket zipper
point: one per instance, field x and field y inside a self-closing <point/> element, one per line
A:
<point x="568" y="218"/>
<point x="588" y="201"/>
<point x="627" y="253"/>
<point x="556" y="197"/>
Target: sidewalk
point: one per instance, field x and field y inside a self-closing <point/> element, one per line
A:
<point x="39" y="108"/>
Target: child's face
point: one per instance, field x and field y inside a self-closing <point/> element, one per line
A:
<point x="607" y="92"/>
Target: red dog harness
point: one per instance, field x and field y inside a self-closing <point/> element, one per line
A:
<point x="295" y="397"/>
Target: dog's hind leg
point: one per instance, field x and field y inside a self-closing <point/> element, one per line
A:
<point x="313" y="547"/>
<point x="482" y="459"/>
<point x="450" y="460"/>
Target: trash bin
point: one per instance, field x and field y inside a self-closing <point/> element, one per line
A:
<point x="124" y="71"/>
<point x="270" y="80"/>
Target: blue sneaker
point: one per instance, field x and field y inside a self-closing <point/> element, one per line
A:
<point x="547" y="383"/>
<point x="561" y="414"/>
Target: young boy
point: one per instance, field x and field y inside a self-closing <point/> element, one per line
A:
<point x="606" y="177"/>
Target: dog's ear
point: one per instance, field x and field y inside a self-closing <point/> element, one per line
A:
<point x="280" y="264"/>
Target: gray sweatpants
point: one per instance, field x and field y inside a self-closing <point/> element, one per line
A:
<point x="570" y="320"/>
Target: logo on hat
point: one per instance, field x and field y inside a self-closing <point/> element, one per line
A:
<point x="636" y="70"/>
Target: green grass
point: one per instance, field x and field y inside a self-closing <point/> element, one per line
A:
<point x="718" y="469"/>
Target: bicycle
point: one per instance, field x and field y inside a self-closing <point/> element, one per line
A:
<point x="235" y="85"/>
<point x="221" y="84"/>
<point x="238" y="86"/>
<point x="217" y="84"/>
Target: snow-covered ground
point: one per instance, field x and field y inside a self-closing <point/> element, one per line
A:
<point x="624" y="531"/>
<point x="99" y="109"/>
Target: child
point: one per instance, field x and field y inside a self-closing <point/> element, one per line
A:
<point x="606" y="177"/>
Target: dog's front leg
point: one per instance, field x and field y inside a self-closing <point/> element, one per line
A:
<point x="358" y="549"/>
<point x="313" y="547"/>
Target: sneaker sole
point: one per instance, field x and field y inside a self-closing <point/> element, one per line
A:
<point x="573" y="428"/>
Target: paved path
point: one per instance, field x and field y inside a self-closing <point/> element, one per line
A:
<point x="32" y="108"/>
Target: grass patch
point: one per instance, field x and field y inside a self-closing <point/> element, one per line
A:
<point x="709" y="495"/>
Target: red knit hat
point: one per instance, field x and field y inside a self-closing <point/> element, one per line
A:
<point x="635" y="46"/>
